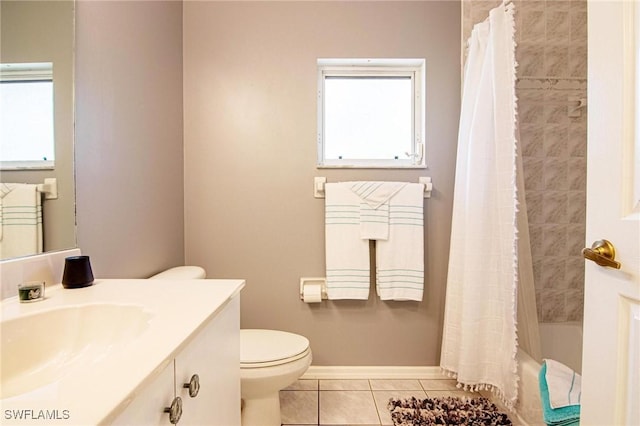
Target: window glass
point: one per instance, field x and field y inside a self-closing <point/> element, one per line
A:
<point x="367" y="117"/>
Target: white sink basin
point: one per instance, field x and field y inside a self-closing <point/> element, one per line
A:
<point x="39" y="349"/>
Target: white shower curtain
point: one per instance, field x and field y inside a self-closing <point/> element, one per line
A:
<point x="479" y="342"/>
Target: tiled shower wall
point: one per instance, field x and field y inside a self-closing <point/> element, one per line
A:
<point x="551" y="51"/>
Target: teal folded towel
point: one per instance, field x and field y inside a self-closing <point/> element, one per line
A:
<point x="564" y="416"/>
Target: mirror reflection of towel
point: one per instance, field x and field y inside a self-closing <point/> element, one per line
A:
<point x="20" y="220"/>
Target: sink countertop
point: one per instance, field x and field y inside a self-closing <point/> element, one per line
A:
<point x="97" y="393"/>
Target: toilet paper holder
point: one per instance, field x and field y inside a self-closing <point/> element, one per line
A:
<point x="306" y="281"/>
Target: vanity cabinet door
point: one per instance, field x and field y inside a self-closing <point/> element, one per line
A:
<point x="148" y="407"/>
<point x="214" y="356"/>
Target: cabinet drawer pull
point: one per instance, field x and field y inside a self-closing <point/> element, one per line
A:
<point x="175" y="410"/>
<point x="193" y="386"/>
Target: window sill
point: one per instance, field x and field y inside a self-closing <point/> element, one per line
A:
<point x="26" y="165"/>
<point x="371" y="166"/>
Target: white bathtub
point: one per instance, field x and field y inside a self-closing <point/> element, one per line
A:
<point x="559" y="341"/>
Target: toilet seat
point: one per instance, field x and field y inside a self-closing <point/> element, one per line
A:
<point x="267" y="348"/>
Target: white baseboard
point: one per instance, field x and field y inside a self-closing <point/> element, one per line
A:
<point x="373" y="372"/>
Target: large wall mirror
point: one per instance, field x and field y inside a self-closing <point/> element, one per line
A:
<point x="37" y="52"/>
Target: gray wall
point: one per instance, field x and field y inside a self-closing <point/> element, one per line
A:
<point x="250" y="153"/>
<point x="129" y="160"/>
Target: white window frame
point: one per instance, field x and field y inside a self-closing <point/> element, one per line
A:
<point x="413" y="68"/>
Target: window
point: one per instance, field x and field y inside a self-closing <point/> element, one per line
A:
<point x="26" y="116"/>
<point x="371" y="113"/>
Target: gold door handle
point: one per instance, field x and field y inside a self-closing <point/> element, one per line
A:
<point x="603" y="253"/>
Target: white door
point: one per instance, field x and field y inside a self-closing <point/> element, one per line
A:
<point x="611" y="358"/>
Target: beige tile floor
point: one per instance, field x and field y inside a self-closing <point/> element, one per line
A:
<point x="354" y="402"/>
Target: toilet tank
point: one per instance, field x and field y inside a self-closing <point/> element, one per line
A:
<point x="181" y="273"/>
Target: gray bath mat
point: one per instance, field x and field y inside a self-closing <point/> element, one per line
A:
<point x="446" y="411"/>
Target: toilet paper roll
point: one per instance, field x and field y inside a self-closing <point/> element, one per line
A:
<point x="312" y="293"/>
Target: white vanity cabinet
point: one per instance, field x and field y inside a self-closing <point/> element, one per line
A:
<point x="214" y="356"/>
<point x="144" y="410"/>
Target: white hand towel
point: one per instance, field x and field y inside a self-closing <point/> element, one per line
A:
<point x="21" y="220"/>
<point x="400" y="259"/>
<point x="565" y="385"/>
<point x="346" y="254"/>
<point x="374" y="207"/>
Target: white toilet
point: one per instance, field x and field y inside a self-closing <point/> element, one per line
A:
<point x="270" y="360"/>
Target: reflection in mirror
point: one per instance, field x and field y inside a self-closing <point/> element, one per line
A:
<point x="41" y="33"/>
<point x="26" y="122"/>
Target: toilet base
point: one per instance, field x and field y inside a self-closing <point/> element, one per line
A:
<point x="263" y="411"/>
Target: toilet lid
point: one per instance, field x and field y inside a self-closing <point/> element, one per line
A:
<point x="270" y="346"/>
